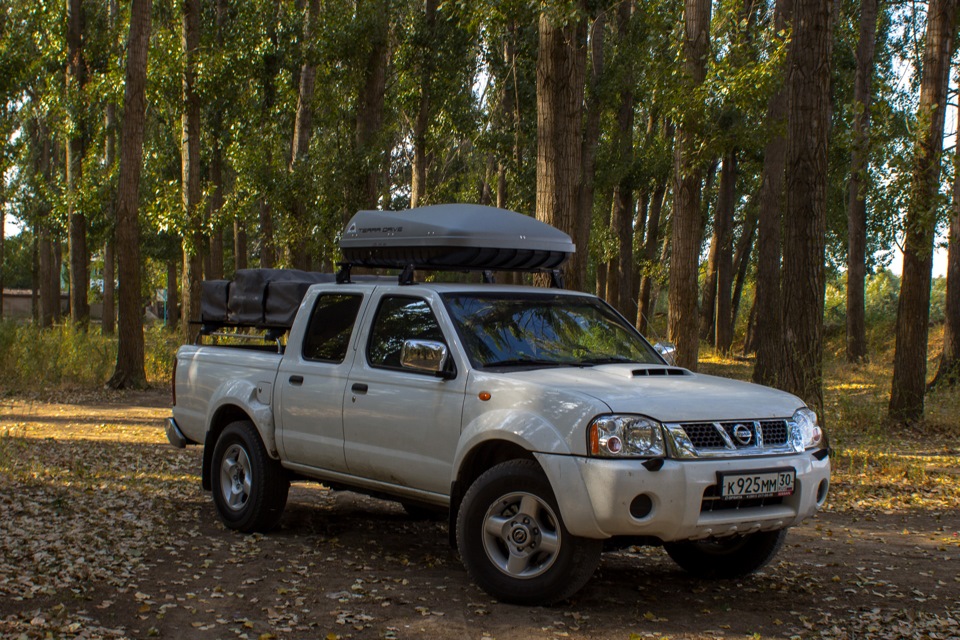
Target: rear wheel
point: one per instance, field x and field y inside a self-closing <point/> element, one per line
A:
<point x="514" y="543"/>
<point x="249" y="488"/>
<point x="727" y="557"/>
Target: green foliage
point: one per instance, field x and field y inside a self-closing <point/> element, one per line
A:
<point x="35" y="359"/>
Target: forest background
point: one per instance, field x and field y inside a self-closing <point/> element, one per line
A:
<point x="735" y="174"/>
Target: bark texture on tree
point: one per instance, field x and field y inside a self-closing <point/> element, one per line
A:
<point x="720" y="250"/>
<point x="913" y="310"/>
<point x="804" y="239"/>
<point x="623" y="196"/>
<point x="129" y="372"/>
<point x="108" y="321"/>
<point x="75" y="80"/>
<point x="768" y="336"/>
<point x="687" y="225"/>
<point x="561" y="64"/>
<point x="856" y="197"/>
<point x="948" y="373"/>
<point x="723" y="337"/>
<point x="421" y="155"/>
<point x="239" y="244"/>
<point x="370" y="113"/>
<point x="588" y="150"/>
<point x="193" y="241"/>
<point x="650" y="245"/>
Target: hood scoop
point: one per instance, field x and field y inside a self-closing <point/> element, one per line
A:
<point x="659" y="371"/>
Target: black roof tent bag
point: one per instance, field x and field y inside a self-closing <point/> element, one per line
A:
<point x="269" y="297"/>
<point x="454" y="237"/>
<point x="213" y="301"/>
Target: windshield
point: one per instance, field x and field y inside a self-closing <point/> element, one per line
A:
<point x="543" y="330"/>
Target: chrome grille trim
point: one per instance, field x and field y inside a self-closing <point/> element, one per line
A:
<point x="717" y="439"/>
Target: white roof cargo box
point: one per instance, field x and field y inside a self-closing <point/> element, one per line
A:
<point x="454" y="237"/>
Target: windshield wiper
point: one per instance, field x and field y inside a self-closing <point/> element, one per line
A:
<point x="528" y="362"/>
<point x="608" y="360"/>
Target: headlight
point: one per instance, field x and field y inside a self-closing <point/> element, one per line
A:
<point x="625" y="437"/>
<point x="810" y="432"/>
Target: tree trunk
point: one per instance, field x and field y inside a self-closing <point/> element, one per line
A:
<point x="418" y="186"/>
<point x="948" y="374"/>
<point x="588" y="153"/>
<point x="857" y="200"/>
<point x="75" y="80"/>
<point x="687" y="227"/>
<point x="561" y="63"/>
<point x="3" y="223"/>
<point x="768" y="336"/>
<point x="725" y="212"/>
<point x="370" y="115"/>
<point x="108" y="321"/>
<point x="741" y="261"/>
<point x="623" y="197"/>
<point x="646" y="306"/>
<point x="215" y="272"/>
<point x="190" y="168"/>
<point x="719" y="249"/>
<point x="302" y="130"/>
<point x="808" y="99"/>
<point x="913" y="312"/>
<point x="129" y="371"/>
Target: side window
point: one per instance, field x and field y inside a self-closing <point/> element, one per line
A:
<point x="331" y="324"/>
<point x="400" y="319"/>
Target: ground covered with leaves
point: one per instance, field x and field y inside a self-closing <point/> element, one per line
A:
<point x="105" y="532"/>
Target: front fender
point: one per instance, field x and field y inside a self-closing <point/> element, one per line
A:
<point x="525" y="429"/>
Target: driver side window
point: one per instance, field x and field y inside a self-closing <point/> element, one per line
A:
<point x="400" y="318"/>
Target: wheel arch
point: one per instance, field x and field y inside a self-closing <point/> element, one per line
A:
<point x="473" y="463"/>
<point x="222" y="417"/>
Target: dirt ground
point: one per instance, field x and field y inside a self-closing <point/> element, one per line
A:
<point x="105" y="532"/>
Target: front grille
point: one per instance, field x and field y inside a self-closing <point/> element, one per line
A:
<point x="704" y="435"/>
<point x="775" y="432"/>
<point x="737" y="435"/>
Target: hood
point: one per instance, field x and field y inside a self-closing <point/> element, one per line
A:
<point x="669" y="394"/>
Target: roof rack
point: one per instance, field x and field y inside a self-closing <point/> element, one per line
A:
<point x="453" y="237"/>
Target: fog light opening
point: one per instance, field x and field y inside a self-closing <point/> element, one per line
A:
<point x="641" y="506"/>
<point x="822" y="491"/>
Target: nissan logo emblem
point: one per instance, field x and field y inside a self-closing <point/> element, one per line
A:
<point x="743" y="434"/>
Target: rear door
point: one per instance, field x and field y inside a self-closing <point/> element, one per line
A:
<point x="402" y="426"/>
<point x="312" y="379"/>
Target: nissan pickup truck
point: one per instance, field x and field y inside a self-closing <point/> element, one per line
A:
<point x="539" y="419"/>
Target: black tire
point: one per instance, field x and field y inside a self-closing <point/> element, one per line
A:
<point x="418" y="511"/>
<point x="543" y="562"/>
<point x="249" y="488"/>
<point x="727" y="557"/>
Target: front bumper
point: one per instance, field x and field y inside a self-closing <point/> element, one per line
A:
<point x="595" y="494"/>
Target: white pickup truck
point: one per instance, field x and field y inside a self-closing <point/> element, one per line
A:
<point x="539" y="418"/>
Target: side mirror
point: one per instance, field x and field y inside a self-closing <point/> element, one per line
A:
<point x="667" y="351"/>
<point x="426" y="356"/>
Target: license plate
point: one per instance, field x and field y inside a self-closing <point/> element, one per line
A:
<point x="764" y="483"/>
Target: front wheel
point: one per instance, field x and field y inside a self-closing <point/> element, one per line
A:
<point x="727" y="557"/>
<point x="513" y="542"/>
<point x="249" y="488"/>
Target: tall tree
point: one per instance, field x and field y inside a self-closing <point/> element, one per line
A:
<point x="948" y="374"/>
<point x="427" y="46"/>
<point x="804" y="228"/>
<point x="856" y="199"/>
<point x="561" y="66"/>
<point x="913" y="310"/>
<point x="687" y="226"/>
<point x="768" y="322"/>
<point x="108" y="317"/>
<point x="129" y="372"/>
<point x="75" y="80"/>
<point x="302" y="131"/>
<point x="190" y="171"/>
<point x="370" y="109"/>
<point x="723" y="336"/>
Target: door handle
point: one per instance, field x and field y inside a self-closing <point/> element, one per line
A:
<point x="296" y="380"/>
<point x="359" y="387"/>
